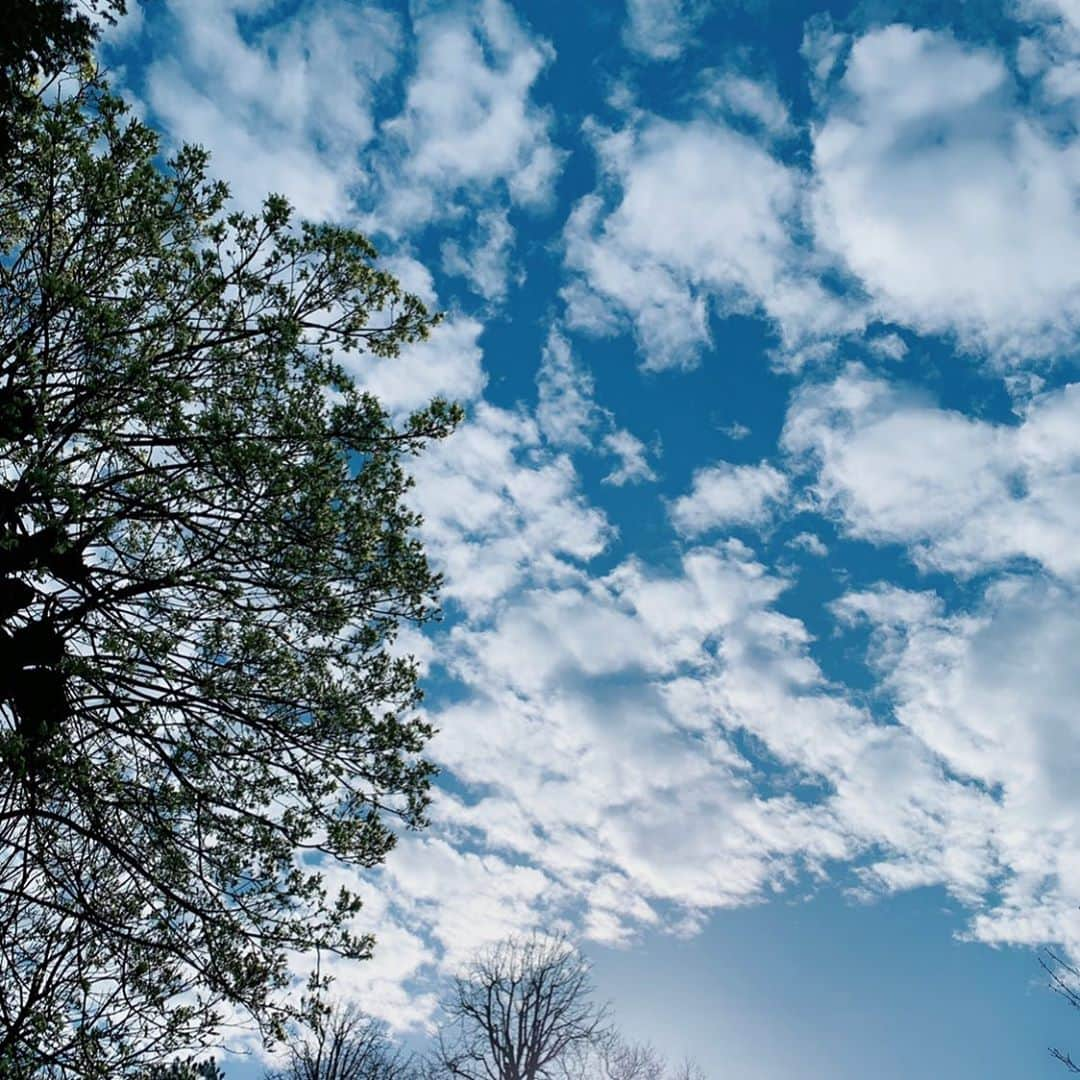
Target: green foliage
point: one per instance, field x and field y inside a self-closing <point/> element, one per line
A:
<point x="204" y="556"/>
<point x="40" y="39"/>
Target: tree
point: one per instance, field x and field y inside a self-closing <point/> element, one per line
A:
<point x="187" y="1069"/>
<point x="522" y="1010"/>
<point x="204" y="557"/>
<point x="612" y="1057"/>
<point x="622" y="1060"/>
<point x="41" y="39"/>
<point x="1064" y="980"/>
<point x="688" y="1069"/>
<point x="346" y="1044"/>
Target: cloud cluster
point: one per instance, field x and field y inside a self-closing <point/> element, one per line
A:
<point x="468" y="143"/>
<point x="947" y="200"/>
<point x="992" y="694"/>
<point x="586" y="749"/>
<point x="635" y="743"/>
<point x="326" y="66"/>
<point x="954" y="206"/>
<point x="498" y="506"/>
<point x="694" y="218"/>
<point x="469" y="128"/>
<point x="964" y="495"/>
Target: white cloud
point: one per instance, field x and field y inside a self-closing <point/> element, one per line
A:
<point x="964" y="494"/>
<point x="468" y="127"/>
<point x="449" y="365"/>
<point x="891" y="346"/>
<point x="724" y="494"/>
<point x="662" y="29"/>
<point x="809" y="542"/>
<point x="820" y="48"/>
<point x="952" y="205"/>
<point x="569" y="416"/>
<point x="464" y="900"/>
<point x="498" y="509"/>
<point x="486" y="264"/>
<point x="597" y="744"/>
<point x="303" y="139"/>
<point x="701" y="215"/>
<point x="632" y="461"/>
<point x="585" y="747"/>
<point x="566" y="410"/>
<point x="756" y="100"/>
<point x="992" y="694"/>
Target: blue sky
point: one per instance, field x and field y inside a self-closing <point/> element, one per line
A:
<point x="758" y="671"/>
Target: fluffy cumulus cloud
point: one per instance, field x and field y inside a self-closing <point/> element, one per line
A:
<point x="485" y="262"/>
<point x="631" y="458"/>
<point x="585" y="748"/>
<point x="498" y="506"/>
<point x="992" y="694"/>
<point x="598" y="745"/>
<point x="952" y="203"/>
<point x="964" y="494"/>
<point x="724" y="494"/>
<point x="303" y="140"/>
<point x="693" y="217"/>
<point x="468" y="143"/>
<point x="469" y="128"/>
<point x="449" y="364"/>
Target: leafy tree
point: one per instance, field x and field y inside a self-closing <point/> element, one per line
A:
<point x="40" y="39"/>
<point x="346" y="1044"/>
<point x="204" y="557"/>
<point x="522" y="1010"/>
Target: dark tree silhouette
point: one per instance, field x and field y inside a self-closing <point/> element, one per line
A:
<point x="39" y="40"/>
<point x="622" y="1060"/>
<point x="186" y="1069"/>
<point x="346" y="1044"/>
<point x="1064" y="980"/>
<point x="204" y="556"/>
<point x="522" y="1010"/>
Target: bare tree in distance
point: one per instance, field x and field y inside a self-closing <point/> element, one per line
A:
<point x="614" y="1058"/>
<point x="688" y="1069"/>
<point x="1064" y="980"/>
<point x="347" y="1044"/>
<point x="522" y="1010"/>
<point x="622" y="1060"/>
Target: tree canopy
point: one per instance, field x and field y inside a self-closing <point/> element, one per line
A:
<point x="42" y="38"/>
<point x="204" y="556"/>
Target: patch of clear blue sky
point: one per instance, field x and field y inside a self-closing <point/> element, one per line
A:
<point x="824" y="989"/>
<point x="807" y="985"/>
